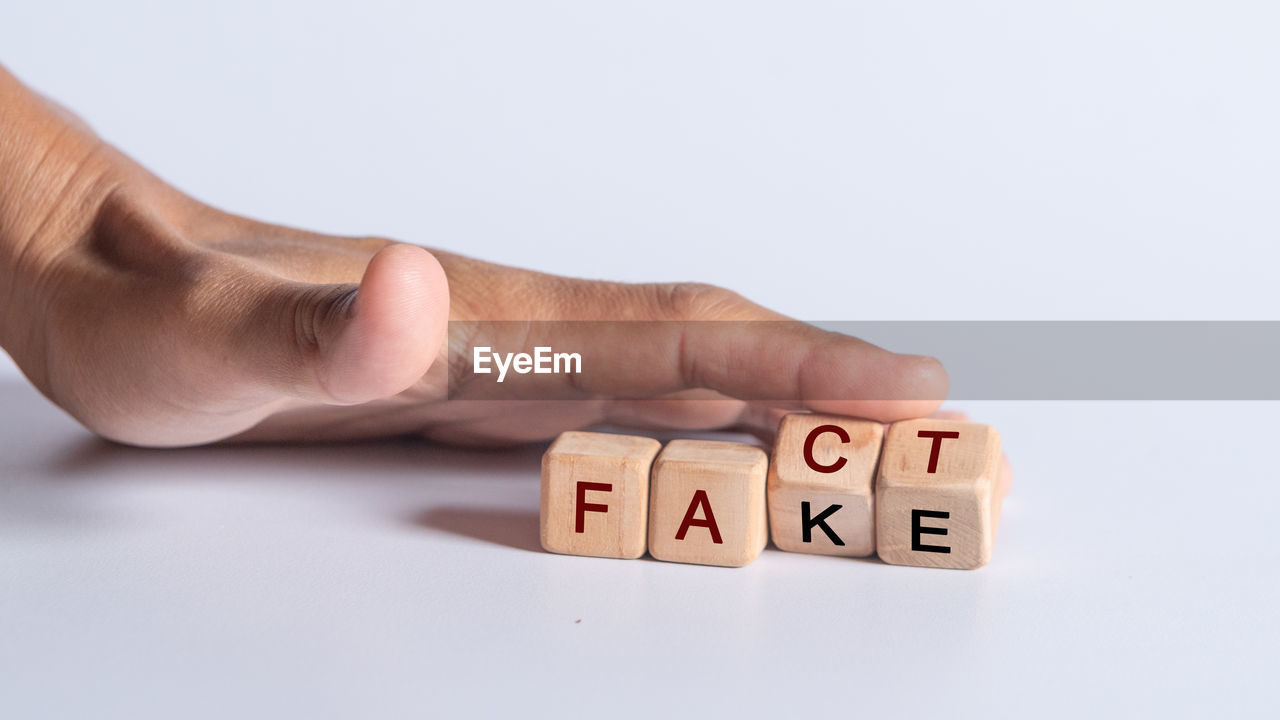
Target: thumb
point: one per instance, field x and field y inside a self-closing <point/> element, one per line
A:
<point x="344" y="343"/>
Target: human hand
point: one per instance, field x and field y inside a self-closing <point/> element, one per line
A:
<point x="157" y="320"/>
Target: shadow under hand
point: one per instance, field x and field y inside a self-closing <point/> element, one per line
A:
<point x="455" y="489"/>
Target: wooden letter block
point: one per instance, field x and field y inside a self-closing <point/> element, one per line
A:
<point x="821" y="485"/>
<point x="938" y="501"/>
<point x="707" y="503"/>
<point x="595" y="494"/>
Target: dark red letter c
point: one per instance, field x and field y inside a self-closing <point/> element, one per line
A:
<point x="808" y="448"/>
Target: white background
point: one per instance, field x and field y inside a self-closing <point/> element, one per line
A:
<point x="836" y="161"/>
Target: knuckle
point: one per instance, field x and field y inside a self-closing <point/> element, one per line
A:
<point x="314" y="311"/>
<point x="694" y="301"/>
<point x="209" y="291"/>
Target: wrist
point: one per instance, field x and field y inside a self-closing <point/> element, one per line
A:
<point x="49" y="164"/>
<point x="52" y="178"/>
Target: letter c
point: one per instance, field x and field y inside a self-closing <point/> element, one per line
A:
<point x="808" y="448"/>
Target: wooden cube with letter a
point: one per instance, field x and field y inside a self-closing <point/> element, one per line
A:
<point x="821" y="485"/>
<point x="938" y="500"/>
<point x="595" y="494"/>
<point x="707" y="503"/>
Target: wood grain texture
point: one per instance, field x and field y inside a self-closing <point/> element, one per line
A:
<point x="578" y="515"/>
<point x="848" y="488"/>
<point x="692" y="476"/>
<point x="963" y="486"/>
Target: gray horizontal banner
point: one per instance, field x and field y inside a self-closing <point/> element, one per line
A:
<point x="786" y="361"/>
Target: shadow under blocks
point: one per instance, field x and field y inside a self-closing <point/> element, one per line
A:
<point x="922" y="492"/>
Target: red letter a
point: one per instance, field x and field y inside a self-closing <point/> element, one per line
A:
<point x="700" y="499"/>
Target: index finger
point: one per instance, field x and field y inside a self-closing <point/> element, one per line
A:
<point x="718" y="342"/>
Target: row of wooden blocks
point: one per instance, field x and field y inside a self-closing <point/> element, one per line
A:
<point x="923" y="492"/>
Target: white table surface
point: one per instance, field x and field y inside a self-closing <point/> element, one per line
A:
<point x="880" y="160"/>
<point x="1134" y="573"/>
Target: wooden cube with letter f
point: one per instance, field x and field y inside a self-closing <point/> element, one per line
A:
<point x="595" y="494"/>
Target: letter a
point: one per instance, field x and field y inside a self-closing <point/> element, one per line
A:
<point x="700" y="500"/>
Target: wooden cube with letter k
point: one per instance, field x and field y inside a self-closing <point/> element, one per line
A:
<point x="938" y="496"/>
<point x="821" y="484"/>
<point x="595" y="494"/>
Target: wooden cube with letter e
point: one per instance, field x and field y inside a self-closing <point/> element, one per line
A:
<point x="938" y="495"/>
<point x="595" y="494"/>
